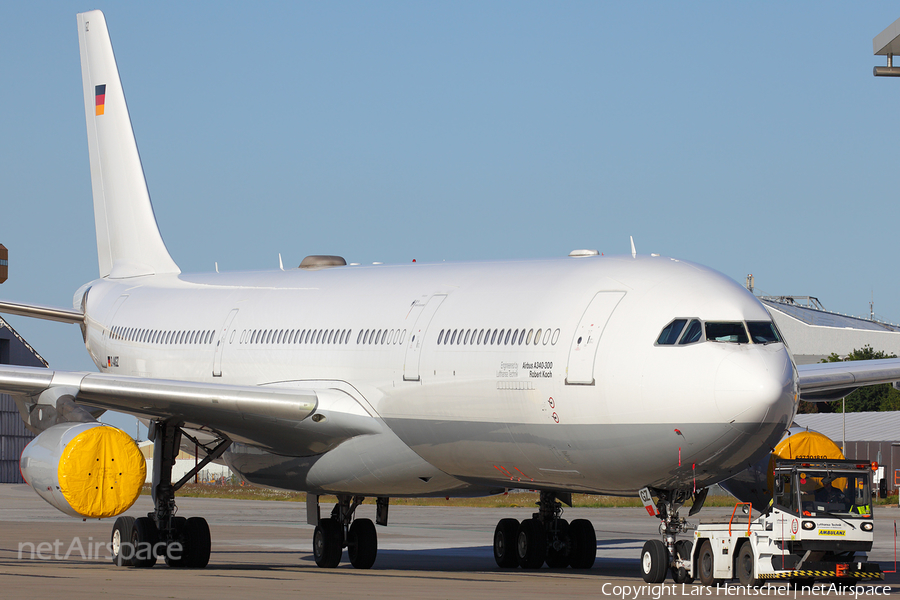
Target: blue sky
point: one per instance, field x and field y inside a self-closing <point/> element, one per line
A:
<point x="749" y="137"/>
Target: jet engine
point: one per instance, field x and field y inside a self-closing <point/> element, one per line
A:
<point x="754" y="485"/>
<point x="86" y="470"/>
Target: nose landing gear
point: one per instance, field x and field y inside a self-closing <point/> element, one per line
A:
<point x="658" y="558"/>
<point x="546" y="538"/>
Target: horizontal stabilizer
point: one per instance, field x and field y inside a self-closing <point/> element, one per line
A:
<point x="37" y="311"/>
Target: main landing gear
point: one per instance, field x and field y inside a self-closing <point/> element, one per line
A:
<point x="181" y="542"/>
<point x="341" y="530"/>
<point x="546" y="537"/>
<point x="658" y="558"/>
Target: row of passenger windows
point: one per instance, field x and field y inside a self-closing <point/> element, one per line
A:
<point x="322" y="336"/>
<point x="682" y="332"/>
<point x="157" y="336"/>
<point x="477" y="337"/>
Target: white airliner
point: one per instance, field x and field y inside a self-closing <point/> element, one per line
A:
<point x="583" y="373"/>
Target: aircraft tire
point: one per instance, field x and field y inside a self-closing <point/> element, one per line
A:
<point x="327" y="543"/>
<point x="654" y="561"/>
<point x="362" y="544"/>
<point x="144" y="537"/>
<point x="505" y="543"/>
<point x="121" y="535"/>
<point x="197" y="543"/>
<point x="177" y="560"/>
<point x="558" y="558"/>
<point x="531" y="544"/>
<point x="683" y="549"/>
<point x="583" y="544"/>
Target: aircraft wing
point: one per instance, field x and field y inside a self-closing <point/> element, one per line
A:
<point x="824" y="382"/>
<point x="262" y="415"/>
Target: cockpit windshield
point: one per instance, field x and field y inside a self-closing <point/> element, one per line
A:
<point x="763" y="332"/>
<point x="734" y="333"/>
<point x="685" y="331"/>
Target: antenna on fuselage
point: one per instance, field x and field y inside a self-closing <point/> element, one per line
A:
<point x="633" y="251"/>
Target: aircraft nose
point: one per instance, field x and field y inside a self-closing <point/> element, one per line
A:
<point x="756" y="386"/>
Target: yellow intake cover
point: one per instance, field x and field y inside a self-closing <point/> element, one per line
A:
<point x="101" y="472"/>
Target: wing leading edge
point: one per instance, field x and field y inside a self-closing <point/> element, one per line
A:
<point x="832" y="381"/>
<point x="261" y="415"/>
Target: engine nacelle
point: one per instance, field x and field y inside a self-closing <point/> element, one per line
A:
<point x="87" y="470"/>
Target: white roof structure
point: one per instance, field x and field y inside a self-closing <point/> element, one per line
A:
<point x="861" y="426"/>
<point x="888" y="41"/>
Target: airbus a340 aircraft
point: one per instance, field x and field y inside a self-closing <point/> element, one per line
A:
<point x="610" y="375"/>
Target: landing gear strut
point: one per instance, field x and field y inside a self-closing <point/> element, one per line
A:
<point x="341" y="530"/>
<point x="546" y="537"/>
<point x="658" y="557"/>
<point x="182" y="542"/>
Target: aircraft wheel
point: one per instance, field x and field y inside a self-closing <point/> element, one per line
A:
<point x="362" y="543"/>
<point x="683" y="550"/>
<point x="122" y="552"/>
<point x="582" y="544"/>
<point x="328" y="543"/>
<point x="505" y="543"/>
<point x="144" y="537"/>
<point x="745" y="566"/>
<point x="558" y="554"/>
<point x="197" y="543"/>
<point x="706" y="564"/>
<point x="177" y="558"/>
<point x="654" y="561"/>
<point x="531" y="544"/>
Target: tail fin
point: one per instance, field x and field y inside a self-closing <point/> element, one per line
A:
<point x="128" y="240"/>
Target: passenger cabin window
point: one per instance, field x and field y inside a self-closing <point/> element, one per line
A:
<point x="670" y="333"/>
<point x="763" y="332"/>
<point x="733" y="333"/>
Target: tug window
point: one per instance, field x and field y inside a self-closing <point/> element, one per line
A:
<point x="670" y="334"/>
<point x="733" y="333"/>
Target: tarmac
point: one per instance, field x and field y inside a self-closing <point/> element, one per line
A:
<point x="263" y="549"/>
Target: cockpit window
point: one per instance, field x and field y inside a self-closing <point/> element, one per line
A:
<point x="733" y="333"/>
<point x="763" y="332"/>
<point x="693" y="333"/>
<point x="670" y="334"/>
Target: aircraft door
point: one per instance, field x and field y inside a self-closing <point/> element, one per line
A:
<point x="220" y="343"/>
<point x="587" y="337"/>
<point x="420" y="314"/>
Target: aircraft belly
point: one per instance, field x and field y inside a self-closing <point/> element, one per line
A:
<point x="611" y="458"/>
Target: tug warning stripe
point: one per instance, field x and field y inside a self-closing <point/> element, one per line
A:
<point x="100" y="98"/>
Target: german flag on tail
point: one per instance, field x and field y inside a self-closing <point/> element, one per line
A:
<point x="99" y="98"/>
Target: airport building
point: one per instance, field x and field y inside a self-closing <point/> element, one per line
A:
<point x="869" y="436"/>
<point x="14" y="436"/>
<point x="812" y="333"/>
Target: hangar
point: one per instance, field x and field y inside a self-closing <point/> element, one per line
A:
<point x="14" y="436"/>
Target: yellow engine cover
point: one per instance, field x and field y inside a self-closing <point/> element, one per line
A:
<point x="101" y="472"/>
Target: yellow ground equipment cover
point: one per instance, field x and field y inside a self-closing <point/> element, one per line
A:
<point x="804" y="444"/>
<point x="101" y="472"/>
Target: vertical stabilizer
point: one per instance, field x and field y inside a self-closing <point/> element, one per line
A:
<point x="128" y="240"/>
